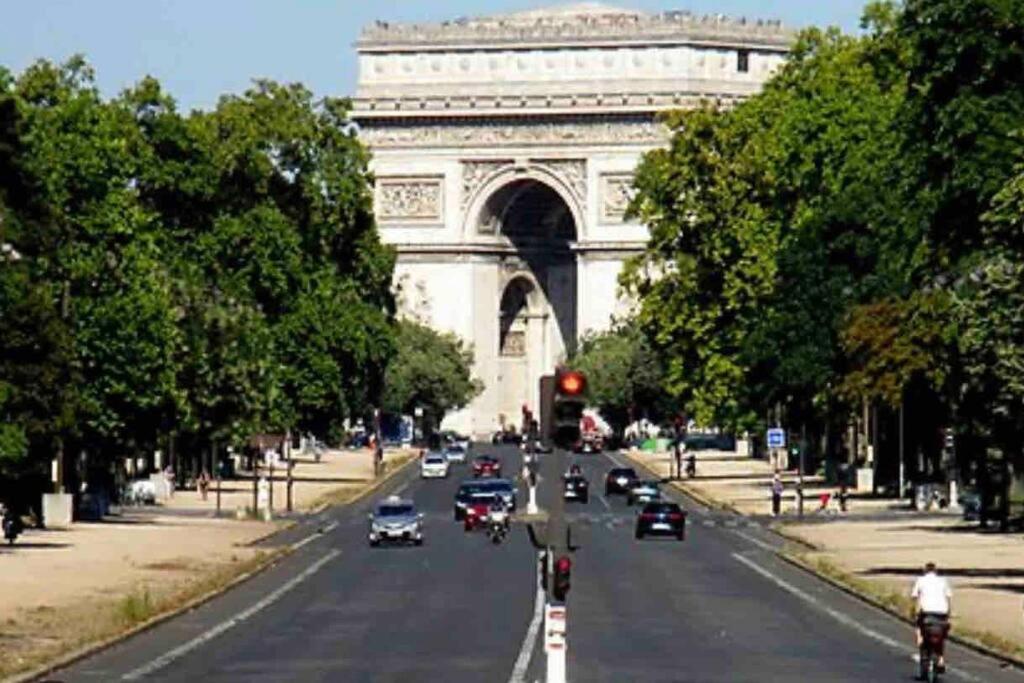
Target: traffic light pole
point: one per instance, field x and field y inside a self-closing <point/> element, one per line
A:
<point x="558" y="547"/>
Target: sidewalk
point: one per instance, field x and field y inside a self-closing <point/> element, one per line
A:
<point x="60" y="589"/>
<point x="880" y="546"/>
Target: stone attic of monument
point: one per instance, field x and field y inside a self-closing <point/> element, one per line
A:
<point x="503" y="149"/>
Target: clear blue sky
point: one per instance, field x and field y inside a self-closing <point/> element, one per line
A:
<point x="201" y="48"/>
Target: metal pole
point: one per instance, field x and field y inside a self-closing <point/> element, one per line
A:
<point x="557" y="546"/>
<point x="216" y="467"/>
<point x="255" y="486"/>
<point x="800" y="486"/>
<point x="271" y="501"/>
<point x="291" y="463"/>
<point x="902" y="483"/>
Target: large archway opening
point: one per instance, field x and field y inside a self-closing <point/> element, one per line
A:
<point x="537" y="289"/>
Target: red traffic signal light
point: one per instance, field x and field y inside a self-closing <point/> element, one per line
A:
<point x="563" y="569"/>
<point x="571" y="383"/>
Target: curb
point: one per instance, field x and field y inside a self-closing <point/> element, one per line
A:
<point x="967" y="642"/>
<point x="779" y="529"/>
<point x="274" y="556"/>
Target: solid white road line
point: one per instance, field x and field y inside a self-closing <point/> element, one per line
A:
<point x="756" y="541"/>
<point x="529" y="642"/>
<point x="177" y="653"/>
<point x="844" y="619"/>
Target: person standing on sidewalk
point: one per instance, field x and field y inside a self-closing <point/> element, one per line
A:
<point x="777" y="489"/>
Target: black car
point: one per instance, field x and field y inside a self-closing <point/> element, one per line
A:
<point x="619" y="480"/>
<point x="509" y="437"/>
<point x="662" y="519"/>
<point x="576" y="488"/>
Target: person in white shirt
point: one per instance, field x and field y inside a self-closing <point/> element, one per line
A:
<point x="934" y="598"/>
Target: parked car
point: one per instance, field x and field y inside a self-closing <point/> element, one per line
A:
<point x="661" y="518"/>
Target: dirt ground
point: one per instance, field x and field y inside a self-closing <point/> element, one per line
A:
<point x="62" y="588"/>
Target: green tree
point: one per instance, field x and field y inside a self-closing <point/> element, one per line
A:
<point x="430" y="370"/>
<point x="624" y="376"/>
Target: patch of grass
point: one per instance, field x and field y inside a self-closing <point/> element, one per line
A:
<point x="902" y="605"/>
<point x="135" y="607"/>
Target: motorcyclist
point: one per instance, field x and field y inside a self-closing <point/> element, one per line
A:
<point x="497" y="512"/>
<point x="575" y="469"/>
<point x="933" y="600"/>
<point x="10" y="522"/>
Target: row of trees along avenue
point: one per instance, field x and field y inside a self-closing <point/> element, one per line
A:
<point x="182" y="282"/>
<point x="849" y="244"/>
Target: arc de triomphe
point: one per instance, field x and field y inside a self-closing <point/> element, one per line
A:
<point x="504" y="149"/>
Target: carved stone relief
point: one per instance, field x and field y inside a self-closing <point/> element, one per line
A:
<point x="410" y="199"/>
<point x="572" y="171"/>
<point x="505" y="134"/>
<point x="616" y="193"/>
<point x="475" y="173"/>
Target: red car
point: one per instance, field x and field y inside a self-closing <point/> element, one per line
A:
<point x="486" y="466"/>
<point x="476" y="513"/>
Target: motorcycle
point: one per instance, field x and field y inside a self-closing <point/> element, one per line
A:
<point x="933" y="638"/>
<point x="497" y="526"/>
<point x="12" y="528"/>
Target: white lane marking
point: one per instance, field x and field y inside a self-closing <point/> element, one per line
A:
<point x="203" y="638"/>
<point x="844" y="619"/>
<point x="756" y="541"/>
<point x="318" y="534"/>
<point x="400" y="489"/>
<point x="526" y="650"/>
<point x="604" y="502"/>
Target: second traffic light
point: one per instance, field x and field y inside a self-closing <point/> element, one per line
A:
<point x="563" y="398"/>
<point x="560" y="583"/>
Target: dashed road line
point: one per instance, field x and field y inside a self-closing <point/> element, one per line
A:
<point x="177" y="653"/>
<point x="604" y="502"/>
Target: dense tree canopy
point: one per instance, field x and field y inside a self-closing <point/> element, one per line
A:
<point x="852" y="233"/>
<point x="205" y="276"/>
<point x="430" y="370"/>
<point x="624" y="376"/>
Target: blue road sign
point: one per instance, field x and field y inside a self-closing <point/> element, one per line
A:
<point x="776" y="437"/>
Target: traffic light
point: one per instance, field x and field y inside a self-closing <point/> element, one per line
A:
<point x="563" y="568"/>
<point x="569" y="400"/>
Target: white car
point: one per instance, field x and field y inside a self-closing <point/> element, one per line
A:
<point x="434" y="466"/>
<point x="456" y="453"/>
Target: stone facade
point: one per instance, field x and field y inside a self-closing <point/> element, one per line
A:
<point x="504" y="149"/>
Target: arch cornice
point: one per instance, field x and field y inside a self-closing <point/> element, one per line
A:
<point x="571" y="192"/>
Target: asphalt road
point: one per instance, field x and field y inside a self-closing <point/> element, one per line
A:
<point x="719" y="606"/>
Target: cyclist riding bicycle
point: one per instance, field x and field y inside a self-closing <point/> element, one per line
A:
<point x="933" y="598"/>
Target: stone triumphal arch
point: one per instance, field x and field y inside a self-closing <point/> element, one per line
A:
<point x="503" y="150"/>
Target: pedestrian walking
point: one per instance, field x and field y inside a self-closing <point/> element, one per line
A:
<point x="844" y="495"/>
<point x="203" y="483"/>
<point x="777" y="488"/>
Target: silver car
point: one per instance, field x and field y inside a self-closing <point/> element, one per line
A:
<point x="643" y="492"/>
<point x="456" y="452"/>
<point x="395" y="520"/>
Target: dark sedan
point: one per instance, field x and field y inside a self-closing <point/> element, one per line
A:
<point x="661" y="519"/>
<point x="619" y="480"/>
<point x="576" y="488"/>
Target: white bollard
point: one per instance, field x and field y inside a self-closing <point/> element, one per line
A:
<point x="555" y="641"/>
<point x="531" y="505"/>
